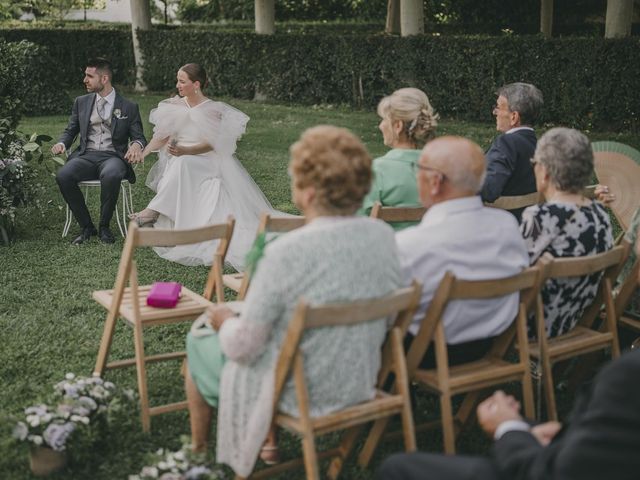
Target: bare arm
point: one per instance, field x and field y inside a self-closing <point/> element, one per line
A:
<point x="154" y="145"/>
<point x="177" y="150"/>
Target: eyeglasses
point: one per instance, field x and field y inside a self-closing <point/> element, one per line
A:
<point x="417" y="166"/>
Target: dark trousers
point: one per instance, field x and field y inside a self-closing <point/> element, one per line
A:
<point x="93" y="165"/>
<point x="457" y="354"/>
<point x="428" y="466"/>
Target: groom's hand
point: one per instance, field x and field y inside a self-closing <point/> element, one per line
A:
<point x="58" y="148"/>
<point x="134" y="153"/>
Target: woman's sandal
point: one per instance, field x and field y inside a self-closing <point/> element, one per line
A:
<point x="143" y="221"/>
<point x="270" y="454"/>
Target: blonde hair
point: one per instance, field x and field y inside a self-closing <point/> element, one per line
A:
<point x="412" y="107"/>
<point x="336" y="163"/>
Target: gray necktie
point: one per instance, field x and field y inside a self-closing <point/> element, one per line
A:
<point x="100" y="108"/>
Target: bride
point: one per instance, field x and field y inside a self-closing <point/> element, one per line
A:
<point x="197" y="179"/>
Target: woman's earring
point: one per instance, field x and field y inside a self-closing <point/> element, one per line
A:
<point x="197" y="91"/>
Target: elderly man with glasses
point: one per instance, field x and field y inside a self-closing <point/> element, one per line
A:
<point x="509" y="172"/>
<point x="459" y="234"/>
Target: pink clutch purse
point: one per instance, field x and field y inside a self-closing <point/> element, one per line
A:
<point x="164" y="294"/>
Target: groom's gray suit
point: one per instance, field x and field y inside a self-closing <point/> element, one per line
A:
<point x="93" y="160"/>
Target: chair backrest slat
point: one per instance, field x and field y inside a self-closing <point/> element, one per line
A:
<point x="397" y="214"/>
<point x="358" y="312"/>
<point x="154" y="237"/>
<point x="283" y="224"/>
<point x="478" y="289"/>
<point x="516" y="201"/>
<point x="581" y="266"/>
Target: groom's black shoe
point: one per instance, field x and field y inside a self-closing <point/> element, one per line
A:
<point x="106" y="236"/>
<point x="86" y="234"/>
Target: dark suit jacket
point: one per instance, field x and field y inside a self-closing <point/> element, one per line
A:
<point x="509" y="169"/>
<point x="602" y="440"/>
<point x="124" y="129"/>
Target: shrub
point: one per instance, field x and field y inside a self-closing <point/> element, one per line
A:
<point x="586" y="81"/>
<point x="70" y="48"/>
<point x="29" y="81"/>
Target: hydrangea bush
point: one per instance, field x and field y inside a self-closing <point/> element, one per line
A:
<point x="77" y="403"/>
<point x="183" y="464"/>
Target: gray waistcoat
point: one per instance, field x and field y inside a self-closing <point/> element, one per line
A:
<point x="99" y="133"/>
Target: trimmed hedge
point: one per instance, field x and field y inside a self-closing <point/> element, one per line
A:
<point x="587" y="82"/>
<point x="28" y="82"/>
<point x="71" y="48"/>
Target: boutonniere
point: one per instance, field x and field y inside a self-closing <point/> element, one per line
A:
<point x="118" y="114"/>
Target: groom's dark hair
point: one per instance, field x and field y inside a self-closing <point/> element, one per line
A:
<point x="102" y="65"/>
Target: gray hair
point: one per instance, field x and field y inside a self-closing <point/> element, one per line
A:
<point x="568" y="157"/>
<point x="523" y="98"/>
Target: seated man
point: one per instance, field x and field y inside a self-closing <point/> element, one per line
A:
<point x="600" y="442"/>
<point x="459" y="234"/>
<point x="509" y="172"/>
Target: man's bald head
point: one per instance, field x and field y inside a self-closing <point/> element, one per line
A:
<point x="459" y="160"/>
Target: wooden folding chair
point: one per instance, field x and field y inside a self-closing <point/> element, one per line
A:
<point x="239" y="282"/>
<point x="626" y="291"/>
<point x="583" y="338"/>
<point x="402" y="303"/>
<point x="517" y="201"/>
<point x="473" y="377"/>
<point x="130" y="302"/>
<point x="396" y="215"/>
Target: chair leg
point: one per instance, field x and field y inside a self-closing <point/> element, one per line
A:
<point x="346" y="446"/>
<point x="372" y="441"/>
<point x="310" y="456"/>
<point x="142" y="377"/>
<point x="448" y="432"/>
<point x="122" y="232"/>
<point x="67" y="223"/>
<point x="105" y="344"/>
<point x="527" y="394"/>
<point x="549" y="390"/>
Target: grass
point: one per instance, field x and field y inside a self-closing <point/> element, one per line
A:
<point x="49" y="324"/>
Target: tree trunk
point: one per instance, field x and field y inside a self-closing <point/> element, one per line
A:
<point x="393" y="17"/>
<point x="265" y="16"/>
<point x="140" y="19"/>
<point x="619" y="16"/>
<point x="546" y="18"/>
<point x="411" y="17"/>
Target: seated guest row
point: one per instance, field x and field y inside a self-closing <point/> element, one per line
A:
<point x="338" y="257"/>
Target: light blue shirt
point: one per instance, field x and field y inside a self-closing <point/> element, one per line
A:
<point x="473" y="242"/>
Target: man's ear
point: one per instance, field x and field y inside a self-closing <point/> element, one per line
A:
<point x="515" y="119"/>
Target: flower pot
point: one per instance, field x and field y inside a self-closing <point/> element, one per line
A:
<point x="45" y="461"/>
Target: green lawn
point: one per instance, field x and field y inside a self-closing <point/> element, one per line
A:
<point x="49" y="324"/>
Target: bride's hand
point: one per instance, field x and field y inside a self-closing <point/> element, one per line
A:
<point x="176" y="150"/>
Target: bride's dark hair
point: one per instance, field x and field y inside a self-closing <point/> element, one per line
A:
<point x="195" y="73"/>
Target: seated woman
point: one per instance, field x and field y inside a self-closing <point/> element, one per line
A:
<point x="335" y="257"/>
<point x="632" y="308"/>
<point x="566" y="225"/>
<point x="408" y="122"/>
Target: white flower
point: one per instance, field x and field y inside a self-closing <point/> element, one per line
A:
<point x="33" y="420"/>
<point x="37" y="439"/>
<point x="20" y="431"/>
<point x="163" y="466"/>
<point x="69" y="376"/>
<point x="151" y="472"/>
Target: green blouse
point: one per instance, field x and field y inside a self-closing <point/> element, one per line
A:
<point x="394" y="183"/>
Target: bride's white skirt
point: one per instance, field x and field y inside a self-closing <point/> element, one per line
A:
<point x="198" y="190"/>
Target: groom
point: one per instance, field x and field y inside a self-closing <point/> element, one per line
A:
<point x="111" y="139"/>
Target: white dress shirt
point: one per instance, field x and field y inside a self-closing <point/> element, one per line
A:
<point x="473" y="242"/>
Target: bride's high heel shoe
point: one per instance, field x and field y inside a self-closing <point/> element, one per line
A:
<point x="143" y="221"/>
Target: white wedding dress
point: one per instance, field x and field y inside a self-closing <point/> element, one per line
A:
<point x="197" y="190"/>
